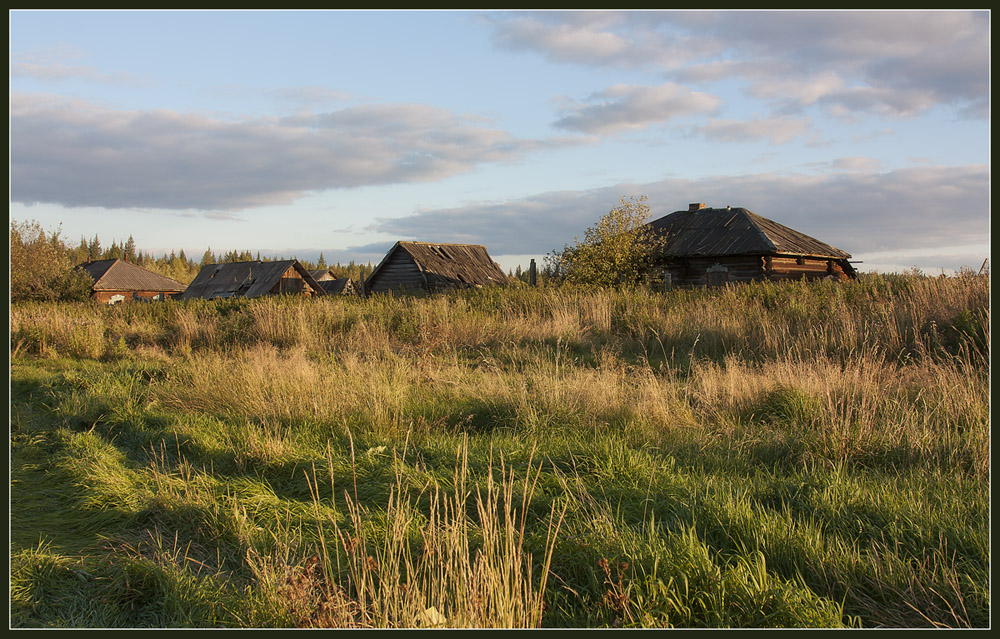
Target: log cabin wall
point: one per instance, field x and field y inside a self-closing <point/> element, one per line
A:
<point x="105" y="297"/>
<point x="692" y="271"/>
<point x="292" y="282"/>
<point x="795" y="268"/>
<point x="398" y="273"/>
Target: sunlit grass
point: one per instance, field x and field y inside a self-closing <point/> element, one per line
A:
<point x="795" y="455"/>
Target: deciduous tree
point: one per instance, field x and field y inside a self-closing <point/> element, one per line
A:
<point x="617" y="250"/>
<point x="41" y="268"/>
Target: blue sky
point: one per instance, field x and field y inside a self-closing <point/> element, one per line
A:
<point x="292" y="133"/>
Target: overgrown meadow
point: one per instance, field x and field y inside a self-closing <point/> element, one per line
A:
<point x="762" y="455"/>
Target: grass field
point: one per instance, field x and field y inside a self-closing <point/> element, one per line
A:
<point x="777" y="455"/>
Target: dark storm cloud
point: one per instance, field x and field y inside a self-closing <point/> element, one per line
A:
<point x="75" y="153"/>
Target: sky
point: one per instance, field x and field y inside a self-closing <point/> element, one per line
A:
<point x="340" y="132"/>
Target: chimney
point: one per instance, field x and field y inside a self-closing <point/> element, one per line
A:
<point x="696" y="206"/>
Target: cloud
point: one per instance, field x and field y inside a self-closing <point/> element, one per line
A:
<point x="376" y="249"/>
<point x="774" y="130"/>
<point x="54" y="66"/>
<point x="624" y="107"/>
<point x="887" y="62"/>
<point x="596" y="38"/>
<point x="309" y="95"/>
<point x="855" y="164"/>
<point x="796" y="90"/>
<point x="931" y="261"/>
<point x="76" y="153"/>
<point x="856" y="211"/>
<point x="563" y="42"/>
<point x="881" y="101"/>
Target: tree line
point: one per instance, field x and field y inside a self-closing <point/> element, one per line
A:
<point x="42" y="263"/>
<point x="619" y="249"/>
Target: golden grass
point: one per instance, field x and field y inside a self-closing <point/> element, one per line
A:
<point x="438" y="565"/>
<point x="887" y="375"/>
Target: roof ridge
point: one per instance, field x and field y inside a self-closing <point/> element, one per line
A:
<point x="131" y="266"/>
<point x="750" y="215"/>
<point x="439" y="243"/>
<point x="708" y="231"/>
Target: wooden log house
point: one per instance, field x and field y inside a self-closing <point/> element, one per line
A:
<point x="715" y="246"/>
<point x="117" y="281"/>
<point x="252" y="279"/>
<point x="432" y="267"/>
<point x="334" y="285"/>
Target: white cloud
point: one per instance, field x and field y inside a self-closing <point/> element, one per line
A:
<point x="598" y="37"/>
<point x="309" y="95"/>
<point x="624" y="107"/>
<point x="76" y="153"/>
<point x="883" y="101"/>
<point x="59" y="66"/>
<point x="774" y="130"/>
<point x="801" y="91"/>
<point x="889" y="62"/>
<point x="930" y="260"/>
<point x="855" y="164"/>
<point x="564" y="42"/>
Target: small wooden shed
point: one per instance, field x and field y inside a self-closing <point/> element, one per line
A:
<point x="322" y="275"/>
<point x="252" y="279"/>
<point x="714" y="246"/>
<point x="334" y="285"/>
<point x="116" y="281"/>
<point x="427" y="266"/>
<point x="339" y="286"/>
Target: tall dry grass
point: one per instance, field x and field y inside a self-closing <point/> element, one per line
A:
<point x="796" y="452"/>
<point x="901" y="361"/>
<point x="436" y="564"/>
<point x="895" y="316"/>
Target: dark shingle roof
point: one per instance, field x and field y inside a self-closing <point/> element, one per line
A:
<point x="116" y="275"/>
<point x="322" y="275"/>
<point x="243" y="279"/>
<point x="454" y="264"/>
<point x="340" y="286"/>
<point x="734" y="231"/>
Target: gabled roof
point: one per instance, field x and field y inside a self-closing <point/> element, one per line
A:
<point x="454" y="264"/>
<point x="322" y="275"/>
<point x="340" y="286"/>
<point x="734" y="231"/>
<point x="117" y="275"/>
<point x="243" y="279"/>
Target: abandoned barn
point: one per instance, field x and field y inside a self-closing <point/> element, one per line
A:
<point x="334" y="285"/>
<point x="426" y="266"/>
<point x="252" y="279"/>
<point x="339" y="286"/>
<point x="322" y="275"/>
<point x="118" y="281"/>
<point x="711" y="247"/>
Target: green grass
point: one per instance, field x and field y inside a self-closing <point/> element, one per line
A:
<point x="795" y="455"/>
